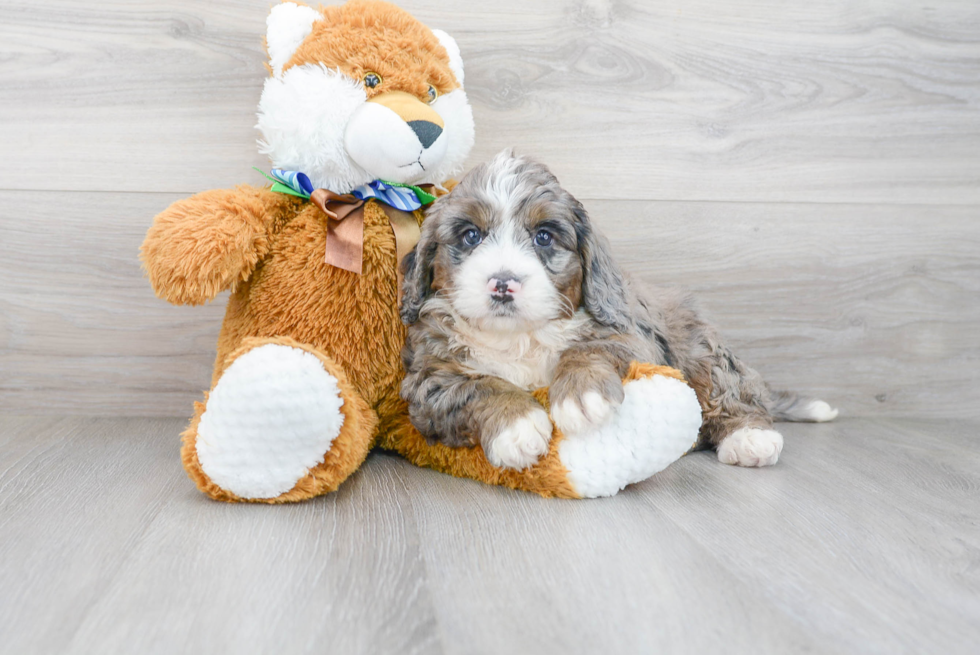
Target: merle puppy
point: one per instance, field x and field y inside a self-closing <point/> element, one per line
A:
<point x="511" y="288"/>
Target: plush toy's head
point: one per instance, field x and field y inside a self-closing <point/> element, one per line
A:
<point x="363" y="91"/>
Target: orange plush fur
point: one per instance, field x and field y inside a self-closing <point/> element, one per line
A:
<point x="405" y="59"/>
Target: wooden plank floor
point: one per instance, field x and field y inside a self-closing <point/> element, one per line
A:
<point x="864" y="539"/>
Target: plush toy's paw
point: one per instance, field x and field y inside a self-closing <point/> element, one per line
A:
<point x="522" y="443"/>
<point x="202" y="245"/>
<point x="751" y="447"/>
<point x="657" y="422"/>
<point x="270" y="419"/>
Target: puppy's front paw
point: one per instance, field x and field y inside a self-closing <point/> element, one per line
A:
<point x="521" y="443"/>
<point x="573" y="415"/>
<point x="584" y="396"/>
<point x="751" y="447"/>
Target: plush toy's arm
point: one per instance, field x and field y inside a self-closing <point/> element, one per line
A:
<point x="210" y="242"/>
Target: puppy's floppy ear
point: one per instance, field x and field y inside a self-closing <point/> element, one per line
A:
<point x="417" y="272"/>
<point x="604" y="291"/>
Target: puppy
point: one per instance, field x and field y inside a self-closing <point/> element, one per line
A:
<point x="511" y="288"/>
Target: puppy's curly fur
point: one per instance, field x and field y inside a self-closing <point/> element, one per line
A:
<point x="512" y="288"/>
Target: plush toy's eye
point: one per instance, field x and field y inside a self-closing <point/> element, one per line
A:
<point x="433" y="94"/>
<point x="472" y="237"/>
<point x="543" y="238"/>
<point x="371" y="80"/>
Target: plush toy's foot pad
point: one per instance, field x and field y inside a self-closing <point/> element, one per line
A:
<point x="270" y="419"/>
<point x="657" y="423"/>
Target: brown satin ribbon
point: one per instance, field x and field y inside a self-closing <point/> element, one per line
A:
<point x="345" y="228"/>
<point x="345" y="231"/>
<point x="407" y="234"/>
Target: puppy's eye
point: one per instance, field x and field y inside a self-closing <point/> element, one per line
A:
<point x="433" y="94"/>
<point x="472" y="237"/>
<point x="372" y="80"/>
<point x="543" y="238"/>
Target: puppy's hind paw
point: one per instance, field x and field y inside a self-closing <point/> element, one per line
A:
<point x="522" y="443"/>
<point x="751" y="447"/>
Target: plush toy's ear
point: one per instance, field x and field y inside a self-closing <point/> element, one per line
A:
<point x="455" y="60"/>
<point x="286" y="27"/>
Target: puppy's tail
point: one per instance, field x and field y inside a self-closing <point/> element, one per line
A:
<point x="790" y="406"/>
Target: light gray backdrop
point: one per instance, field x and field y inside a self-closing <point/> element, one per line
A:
<point x="812" y="173"/>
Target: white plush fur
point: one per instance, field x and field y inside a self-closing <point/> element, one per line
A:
<point x="452" y="49"/>
<point x="751" y="447"/>
<point x="287" y="26"/>
<point x="658" y="422"/>
<point x="302" y="115"/>
<point x="523" y="443"/>
<point x="380" y="141"/>
<point x="271" y="418"/>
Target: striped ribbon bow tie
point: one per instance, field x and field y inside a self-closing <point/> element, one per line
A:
<point x="404" y="197"/>
<point x="345" y="215"/>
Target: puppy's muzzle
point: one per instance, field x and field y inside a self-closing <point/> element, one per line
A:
<point x="504" y="286"/>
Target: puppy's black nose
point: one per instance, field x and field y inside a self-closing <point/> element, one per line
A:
<point x="426" y="131"/>
<point x="503" y="286"/>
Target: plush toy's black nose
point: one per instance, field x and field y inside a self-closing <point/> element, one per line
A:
<point x="426" y="131"/>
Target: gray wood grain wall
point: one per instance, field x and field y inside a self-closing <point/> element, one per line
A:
<point x="810" y="170"/>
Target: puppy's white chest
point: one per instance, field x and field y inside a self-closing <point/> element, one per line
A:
<point x="527" y="366"/>
<point x="526" y="360"/>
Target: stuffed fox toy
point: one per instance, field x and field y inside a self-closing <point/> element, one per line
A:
<point x="365" y="120"/>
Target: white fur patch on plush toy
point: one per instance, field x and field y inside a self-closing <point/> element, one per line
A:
<point x="380" y="141"/>
<point x="287" y="27"/>
<point x="302" y="117"/>
<point x="657" y="423"/>
<point x="452" y="49"/>
<point x="271" y="418"/>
